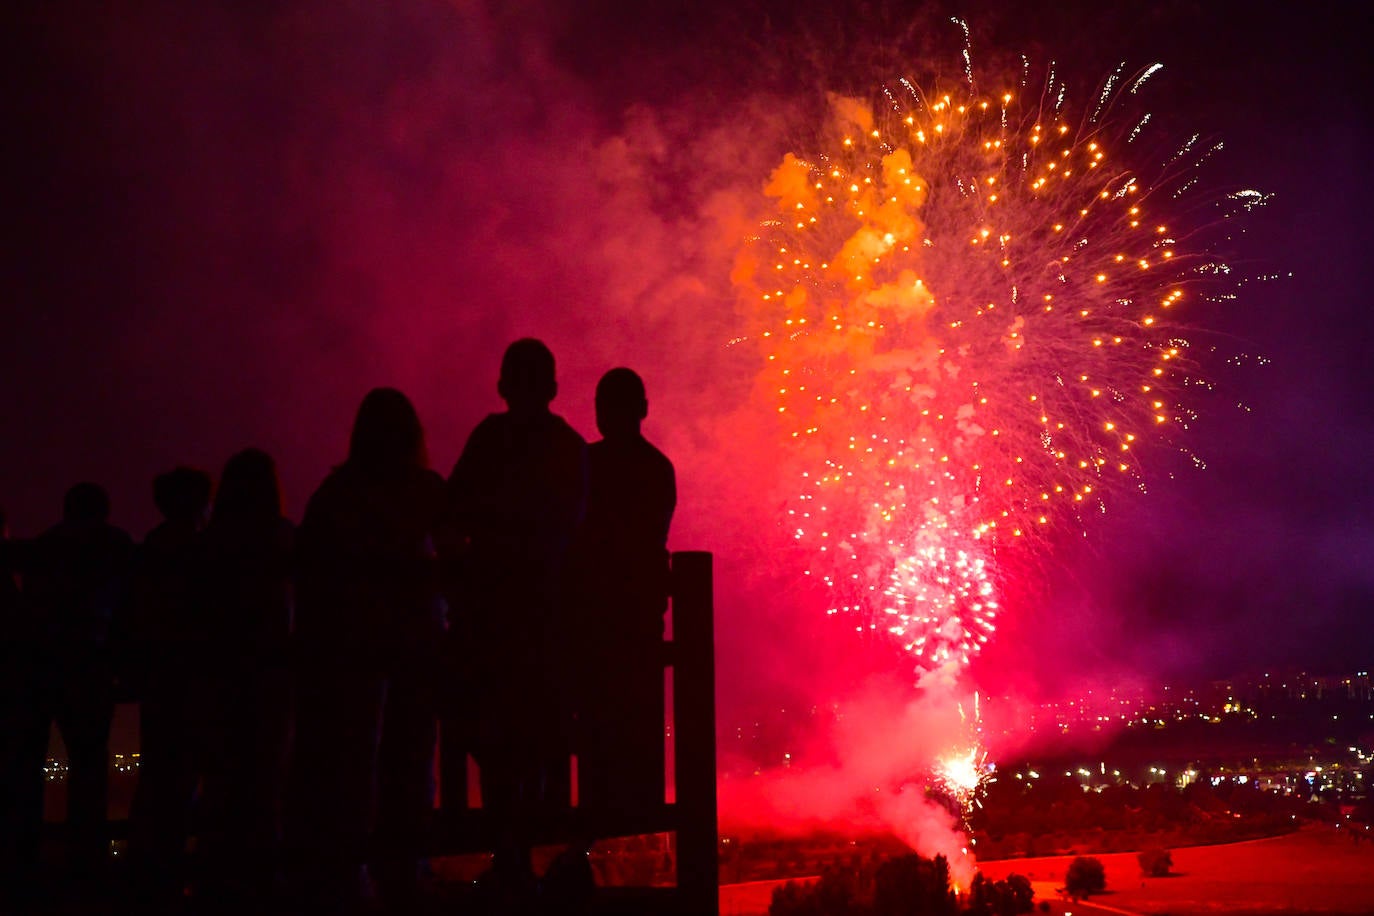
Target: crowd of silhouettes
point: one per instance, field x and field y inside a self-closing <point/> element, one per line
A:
<point x="293" y="681"/>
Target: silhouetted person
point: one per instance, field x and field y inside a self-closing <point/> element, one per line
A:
<point x="17" y="702"/>
<point x="516" y="497"/>
<point x="163" y="658"/>
<point x="622" y="563"/>
<point x="244" y="598"/>
<point x="76" y="576"/>
<point x="10" y="614"/>
<point x="12" y="618"/>
<point x="369" y="624"/>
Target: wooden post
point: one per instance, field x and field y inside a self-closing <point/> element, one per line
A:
<point x="694" y="719"/>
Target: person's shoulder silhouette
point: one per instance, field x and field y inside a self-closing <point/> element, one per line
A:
<point x="622" y="576"/>
<point x="247" y="512"/>
<point x="182" y="496"/>
<point x="243" y="725"/>
<point x="155" y="629"/>
<point x="16" y="627"/>
<point x="80" y="568"/>
<point x="516" y="497"/>
<point x="14" y="623"/>
<point x="369" y="619"/>
<point x="246" y="557"/>
<point x="633" y="487"/>
<point x="384" y="483"/>
<point x="368" y="529"/>
<point x="77" y="582"/>
<point x="9" y="586"/>
<point x="164" y="559"/>
<point x="517" y="491"/>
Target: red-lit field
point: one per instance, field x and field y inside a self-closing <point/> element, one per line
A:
<point x="1317" y="870"/>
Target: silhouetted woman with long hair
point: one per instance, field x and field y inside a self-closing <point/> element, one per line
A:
<point x="369" y="624"/>
<point x="244" y="582"/>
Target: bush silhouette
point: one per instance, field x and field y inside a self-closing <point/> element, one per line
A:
<point x="1155" y="863"/>
<point x="1085" y="877"/>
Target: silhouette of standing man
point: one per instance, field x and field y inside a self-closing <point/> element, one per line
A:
<point x="516" y="497"/>
<point x="17" y="702"/>
<point x="623" y="571"/>
<point x="77" y="578"/>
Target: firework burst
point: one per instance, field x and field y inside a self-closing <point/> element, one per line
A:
<point x="966" y="305"/>
<point x="962" y="773"/>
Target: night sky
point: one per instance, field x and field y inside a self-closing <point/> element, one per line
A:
<point x="230" y="220"/>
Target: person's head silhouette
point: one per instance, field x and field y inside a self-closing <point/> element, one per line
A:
<point x="387" y="435"/>
<point x="248" y="490"/>
<point x="620" y="403"/>
<point x="182" y="494"/>
<point x="86" y="502"/>
<point x="527" y="381"/>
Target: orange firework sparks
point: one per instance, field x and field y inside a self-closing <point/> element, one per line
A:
<point x="966" y="304"/>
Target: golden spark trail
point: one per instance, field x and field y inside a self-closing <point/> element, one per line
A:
<point x="966" y="307"/>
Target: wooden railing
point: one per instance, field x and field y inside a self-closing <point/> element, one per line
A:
<point x="689" y="657"/>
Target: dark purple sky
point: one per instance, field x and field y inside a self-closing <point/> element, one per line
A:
<point x="229" y="220"/>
